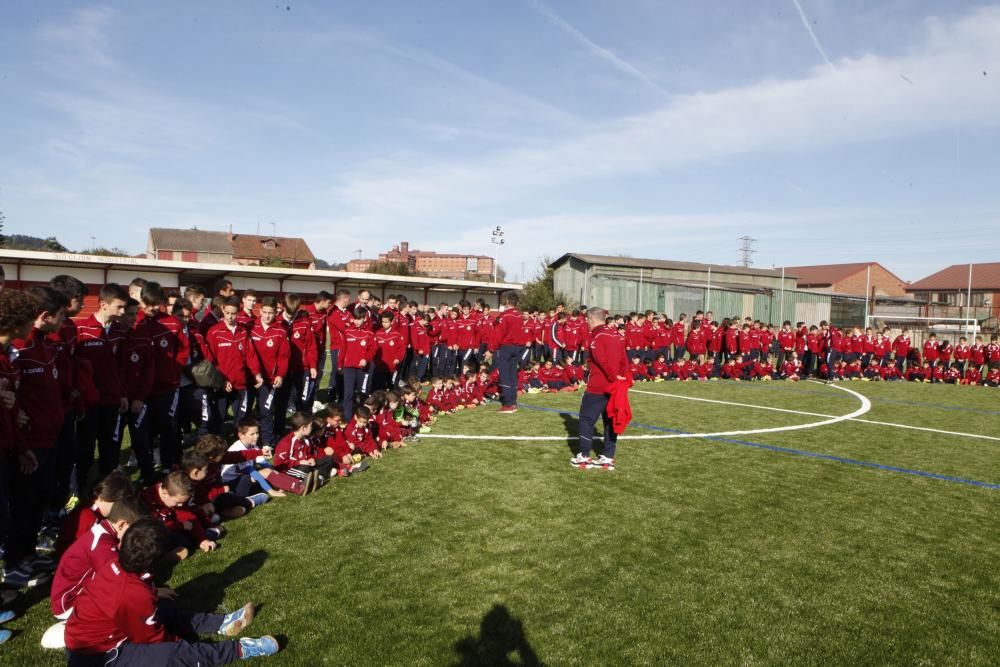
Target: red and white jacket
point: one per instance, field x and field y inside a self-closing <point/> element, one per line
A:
<point x="89" y="553"/>
<point x="272" y="350"/>
<point x="229" y="351"/>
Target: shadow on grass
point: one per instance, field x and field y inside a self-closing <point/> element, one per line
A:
<point x="501" y="641"/>
<point x="572" y="425"/>
<point x="206" y="592"/>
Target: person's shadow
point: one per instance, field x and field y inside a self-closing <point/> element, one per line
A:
<point x="572" y="425"/>
<point x="206" y="592"/>
<point x="501" y="641"/>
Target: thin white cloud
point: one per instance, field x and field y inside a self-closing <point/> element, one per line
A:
<point x="864" y="100"/>
<point x="596" y="49"/>
<point x="812" y="35"/>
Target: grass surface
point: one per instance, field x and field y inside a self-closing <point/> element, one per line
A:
<point x="695" y="551"/>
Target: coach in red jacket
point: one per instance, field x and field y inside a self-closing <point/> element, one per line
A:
<point x="607" y="365"/>
<point x="509" y="340"/>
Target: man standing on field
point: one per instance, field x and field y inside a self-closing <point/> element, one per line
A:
<point x="607" y="365"/>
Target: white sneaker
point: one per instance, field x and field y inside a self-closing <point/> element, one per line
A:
<point x="604" y="462"/>
<point x="581" y="462"/>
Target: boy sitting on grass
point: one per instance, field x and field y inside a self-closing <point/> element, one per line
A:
<point x="296" y="455"/>
<point x="169" y="502"/>
<point x="243" y="473"/>
<point x="83" y="559"/>
<point x="119" y="619"/>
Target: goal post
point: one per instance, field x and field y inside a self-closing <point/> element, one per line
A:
<point x="967" y="326"/>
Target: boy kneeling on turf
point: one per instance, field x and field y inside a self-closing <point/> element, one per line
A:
<point x="118" y="620"/>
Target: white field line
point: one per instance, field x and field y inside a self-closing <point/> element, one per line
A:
<point x="831" y="419"/>
<point x="817" y="414"/>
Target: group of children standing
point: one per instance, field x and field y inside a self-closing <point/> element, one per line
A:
<point x="177" y="370"/>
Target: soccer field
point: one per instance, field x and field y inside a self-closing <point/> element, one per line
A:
<point x="842" y="541"/>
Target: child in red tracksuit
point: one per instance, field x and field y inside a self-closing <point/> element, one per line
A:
<point x="107" y="492"/>
<point x="682" y="370"/>
<point x="473" y="390"/>
<point x="638" y="370"/>
<point x="228" y="348"/>
<point x="169" y="503"/>
<point x="660" y="369"/>
<point x="417" y="410"/>
<point x="435" y="397"/>
<point x="706" y="369"/>
<point x="332" y="440"/>
<point x="358" y="434"/>
<point x="120" y="619"/>
<point x="89" y="552"/>
<point x="952" y="375"/>
<point x="298" y="456"/>
<point x="792" y="368"/>
<point x="993" y="378"/>
<point x="972" y="376"/>
<point x="389" y="430"/>
<point x="450" y="399"/>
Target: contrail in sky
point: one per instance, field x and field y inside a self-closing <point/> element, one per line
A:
<point x="805" y="22"/>
<point x="596" y="49"/>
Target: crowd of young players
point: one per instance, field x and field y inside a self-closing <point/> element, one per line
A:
<point x="217" y="395"/>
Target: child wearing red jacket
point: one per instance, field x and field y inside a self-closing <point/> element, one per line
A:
<point x="388" y="429"/>
<point x="732" y="370"/>
<point x="356" y="358"/>
<point x="792" y="368"/>
<point x="303" y="354"/>
<point x="972" y="376"/>
<point x="227" y="347"/>
<point x="764" y="369"/>
<point x="269" y="341"/>
<point x="332" y="440"/>
<point x="952" y="375"/>
<point x="169" y="503"/>
<point x="473" y="390"/>
<point x="931" y="353"/>
<point x="435" y="397"/>
<point x="297" y="455"/>
<point x="120" y="618"/>
<point x="638" y="369"/>
<point x="682" y="370"/>
<point x="451" y="402"/>
<point x="358" y="434"/>
<point x="993" y="378"/>
<point x="889" y="372"/>
<point x="89" y="552"/>
<point x="390" y="349"/>
<point x="660" y="369"/>
<point x="706" y="369"/>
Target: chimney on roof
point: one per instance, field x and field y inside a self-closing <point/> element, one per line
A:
<point x="231" y="237"/>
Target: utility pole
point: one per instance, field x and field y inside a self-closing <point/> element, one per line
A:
<point x="747" y="251"/>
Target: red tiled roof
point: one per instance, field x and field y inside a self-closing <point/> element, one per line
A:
<point x="285" y="248"/>
<point x="984" y="276"/>
<point x="825" y="274"/>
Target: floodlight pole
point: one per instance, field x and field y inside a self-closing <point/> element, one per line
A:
<point x="968" y="302"/>
<point x="708" y="291"/>
<point x="781" y="307"/>
<point x="868" y="281"/>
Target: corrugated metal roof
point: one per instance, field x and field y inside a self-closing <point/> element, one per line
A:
<point x="611" y="260"/>
<point x="956" y="277"/>
<point x="826" y="274"/>
<point x="190" y="240"/>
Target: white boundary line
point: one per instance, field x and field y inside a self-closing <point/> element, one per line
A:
<point x="831" y="419"/>
<point x="817" y="414"/>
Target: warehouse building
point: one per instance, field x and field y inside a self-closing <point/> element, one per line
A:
<point x="624" y="284"/>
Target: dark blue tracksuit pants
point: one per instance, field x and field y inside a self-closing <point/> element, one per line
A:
<point x="592" y="407"/>
<point x="508" y="358"/>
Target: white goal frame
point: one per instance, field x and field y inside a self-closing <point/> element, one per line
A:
<point x="969" y="324"/>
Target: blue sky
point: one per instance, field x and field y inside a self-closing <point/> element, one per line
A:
<point x="829" y="130"/>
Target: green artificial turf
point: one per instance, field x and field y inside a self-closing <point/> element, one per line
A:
<point x="695" y="551"/>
